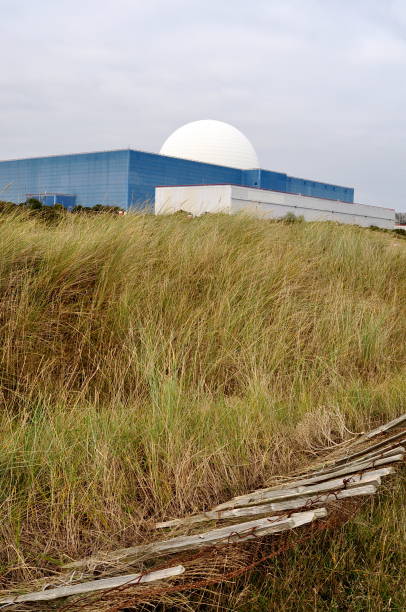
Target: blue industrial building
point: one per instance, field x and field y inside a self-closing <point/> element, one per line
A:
<point x="127" y="178"/>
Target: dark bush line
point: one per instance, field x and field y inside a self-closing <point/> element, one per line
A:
<point x="57" y="211"/>
<point x="398" y="230"/>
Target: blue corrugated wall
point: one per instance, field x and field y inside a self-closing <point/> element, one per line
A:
<point x="272" y="180"/>
<point x="148" y="170"/>
<point x="128" y="178"/>
<point x="319" y="190"/>
<point x="94" y="178"/>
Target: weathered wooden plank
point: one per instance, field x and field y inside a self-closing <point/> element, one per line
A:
<point x="329" y="472"/>
<point x="232" y="533"/>
<point x="364" y="439"/>
<point x="377" y="454"/>
<point x="350" y="468"/>
<point x="289" y="493"/>
<point x="95" y="585"/>
<point x="383" y="428"/>
<point x="387" y="442"/>
<point x="345" y="469"/>
<point x="290" y="504"/>
<point x="365" y="456"/>
<point x="397" y="450"/>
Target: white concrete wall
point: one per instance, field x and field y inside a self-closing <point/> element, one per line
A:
<point x="274" y="204"/>
<point x="196" y="199"/>
<point x="268" y="204"/>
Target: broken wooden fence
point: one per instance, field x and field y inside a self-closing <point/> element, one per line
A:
<point x="299" y="501"/>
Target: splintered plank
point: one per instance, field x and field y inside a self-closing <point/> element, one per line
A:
<point x="95" y="585"/>
<point x="365" y="456"/>
<point x="397" y="450"/>
<point x="304" y="489"/>
<point x="365" y="438"/>
<point x="386" y="443"/>
<point x="332" y="471"/>
<point x="291" y="504"/>
<point x="383" y="428"/>
<point x="232" y="533"/>
<point x="350" y="468"/>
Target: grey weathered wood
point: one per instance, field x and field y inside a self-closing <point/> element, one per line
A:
<point x="330" y="464"/>
<point x="290" y="504"/>
<point x="370" y="456"/>
<point x="232" y="533"/>
<point x="383" y="428"/>
<point x="365" y="456"/>
<point x="387" y="442"/>
<point x="307" y="478"/>
<point x="397" y="450"/>
<point x="305" y="489"/>
<point x="95" y="585"/>
<point x="350" y="468"/>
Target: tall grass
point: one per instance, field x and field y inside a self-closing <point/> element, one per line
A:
<point x="150" y="366"/>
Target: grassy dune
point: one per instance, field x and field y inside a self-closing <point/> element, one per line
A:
<point x="152" y="366"/>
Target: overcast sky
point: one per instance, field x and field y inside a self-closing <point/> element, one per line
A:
<point x="319" y="86"/>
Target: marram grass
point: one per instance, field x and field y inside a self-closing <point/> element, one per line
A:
<point x="152" y="366"/>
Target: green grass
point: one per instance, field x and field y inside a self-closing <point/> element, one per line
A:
<point x="152" y="366"/>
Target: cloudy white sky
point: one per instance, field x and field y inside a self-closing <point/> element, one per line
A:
<point x="319" y="86"/>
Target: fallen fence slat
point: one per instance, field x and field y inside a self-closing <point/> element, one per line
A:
<point x="293" y="504"/>
<point x="95" y="585"/>
<point x="387" y="442"/>
<point x="350" y="468"/>
<point x="232" y="533"/>
<point x="289" y="493"/>
<point x="365" y="456"/>
<point x="331" y="471"/>
<point x="364" y="439"/>
<point x="383" y="428"/>
<point x="397" y="450"/>
<point x="378" y="454"/>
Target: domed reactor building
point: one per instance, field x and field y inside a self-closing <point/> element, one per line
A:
<point x="204" y="166"/>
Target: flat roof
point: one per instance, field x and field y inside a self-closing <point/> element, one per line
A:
<point x="53" y="155"/>
<point x="304" y="195"/>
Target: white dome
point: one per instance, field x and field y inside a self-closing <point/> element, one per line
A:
<point x="212" y="142"/>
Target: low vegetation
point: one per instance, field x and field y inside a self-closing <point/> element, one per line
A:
<point x="152" y="366"/>
<point x="56" y="213"/>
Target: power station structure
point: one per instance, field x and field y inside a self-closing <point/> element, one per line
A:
<point x="204" y="166"/>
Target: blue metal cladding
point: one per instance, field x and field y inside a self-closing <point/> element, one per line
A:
<point x="319" y="190"/>
<point x="128" y="178"/>
<point x="149" y="170"/>
<point x="277" y="181"/>
<point x="272" y="180"/>
<point x="251" y="178"/>
<point x="94" y="178"/>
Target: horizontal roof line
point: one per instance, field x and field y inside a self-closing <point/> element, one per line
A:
<point x="53" y="155"/>
<point x="304" y="195"/>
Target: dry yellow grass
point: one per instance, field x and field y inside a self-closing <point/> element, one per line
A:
<point x="152" y="366"/>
